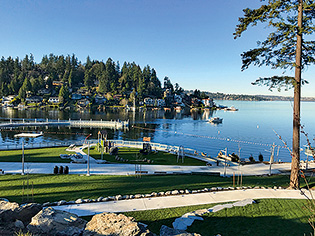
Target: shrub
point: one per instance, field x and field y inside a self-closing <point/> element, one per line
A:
<point x="260" y="157"/>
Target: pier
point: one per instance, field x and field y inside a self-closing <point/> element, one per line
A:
<point x="112" y="124"/>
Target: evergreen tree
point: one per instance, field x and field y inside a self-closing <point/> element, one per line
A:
<point x="25" y="88"/>
<point x="284" y="48"/>
<point x="63" y="94"/>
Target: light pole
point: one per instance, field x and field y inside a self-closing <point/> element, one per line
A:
<point x="88" y="159"/>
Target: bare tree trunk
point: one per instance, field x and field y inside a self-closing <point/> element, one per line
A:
<point x="295" y="164"/>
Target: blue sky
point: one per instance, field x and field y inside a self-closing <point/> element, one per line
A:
<point x="190" y="41"/>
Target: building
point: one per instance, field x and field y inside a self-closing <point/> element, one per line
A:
<point x="208" y="102"/>
<point x="99" y="99"/>
<point x="54" y="100"/>
<point x="148" y="101"/>
<point x="6" y="101"/>
<point x="34" y="99"/>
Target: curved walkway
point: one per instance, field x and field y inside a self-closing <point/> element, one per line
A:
<point x="179" y="201"/>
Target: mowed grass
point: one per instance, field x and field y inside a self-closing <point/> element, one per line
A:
<point x="134" y="157"/>
<point x="71" y="187"/>
<point x="266" y="217"/>
<point x="35" y="155"/>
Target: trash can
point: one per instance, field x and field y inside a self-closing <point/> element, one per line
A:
<point x="56" y="169"/>
<point x="61" y="170"/>
<point x="66" y="170"/>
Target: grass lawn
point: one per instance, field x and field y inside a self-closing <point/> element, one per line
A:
<point x="71" y="187"/>
<point x="133" y="156"/>
<point x="267" y="217"/>
<point x="35" y="155"/>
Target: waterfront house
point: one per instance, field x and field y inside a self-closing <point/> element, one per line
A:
<point x="34" y="99"/>
<point x="148" y="101"/>
<point x="76" y="96"/>
<point x="100" y="99"/>
<point x="6" y="101"/>
<point x="208" y="102"/>
<point x="54" y="100"/>
<point x="83" y="102"/>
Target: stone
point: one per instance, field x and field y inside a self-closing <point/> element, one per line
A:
<point x="238" y="188"/>
<point x="168" y="193"/>
<point x="8" y="211"/>
<point x="201" y="212"/>
<point x="154" y="194"/>
<point x="175" y="192"/>
<point x="105" y="199"/>
<point x="71" y="202"/>
<point x="147" y="195"/>
<point x="79" y="201"/>
<point x="125" y="197"/>
<point x="27" y="211"/>
<point x="161" y="194"/>
<point x="167" y="231"/>
<point x="55" y="222"/>
<point x="118" y="197"/>
<point x="275" y="187"/>
<point x="194" y="191"/>
<point x="61" y="202"/>
<point x="220" y="188"/>
<point x="228" y="205"/>
<point x="279" y="187"/>
<point x="100" y="199"/>
<point x="111" y="198"/>
<point x="214" y="189"/>
<point x="256" y="187"/>
<point x="114" y="224"/>
<point x="131" y="196"/>
<point x="187" y="191"/>
<point x="137" y="196"/>
<point x="19" y="224"/>
<point x="183" y="222"/>
<point x="46" y="204"/>
<point x="181" y="191"/>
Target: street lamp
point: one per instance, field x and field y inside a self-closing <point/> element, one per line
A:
<point x="88" y="160"/>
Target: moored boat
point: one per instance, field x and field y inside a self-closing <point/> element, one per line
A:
<point x="215" y="120"/>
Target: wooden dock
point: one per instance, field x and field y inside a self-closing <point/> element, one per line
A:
<point x="112" y="124"/>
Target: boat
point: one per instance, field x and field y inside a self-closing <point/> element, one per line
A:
<point x="215" y="120"/>
<point x="28" y="135"/>
<point x="232" y="108"/>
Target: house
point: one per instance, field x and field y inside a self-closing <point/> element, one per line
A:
<point x="160" y="102"/>
<point x="43" y="91"/>
<point x="208" y="102"/>
<point x="34" y="99"/>
<point x="57" y="83"/>
<point x="99" y="99"/>
<point x="76" y="96"/>
<point x="83" y="102"/>
<point x="6" y="101"/>
<point x="54" y="100"/>
<point x="178" y="99"/>
<point x="148" y="101"/>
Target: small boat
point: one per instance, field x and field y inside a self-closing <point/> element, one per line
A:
<point x="215" y="120"/>
<point x="232" y="108"/>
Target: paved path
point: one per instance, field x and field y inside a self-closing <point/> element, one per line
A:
<point x="178" y="201"/>
<point x="129" y="169"/>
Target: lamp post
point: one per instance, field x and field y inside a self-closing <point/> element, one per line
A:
<point x="88" y="160"/>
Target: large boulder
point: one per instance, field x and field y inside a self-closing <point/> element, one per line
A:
<point x="113" y="224"/>
<point x="8" y="211"/>
<point x="53" y="222"/>
<point x="167" y="231"/>
<point x="27" y="211"/>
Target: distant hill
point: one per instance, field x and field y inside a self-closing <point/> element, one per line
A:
<point x="244" y="97"/>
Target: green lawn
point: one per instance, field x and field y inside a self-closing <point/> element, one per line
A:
<point x="35" y="155"/>
<point x="267" y="217"/>
<point x="71" y="187"/>
<point x="133" y="156"/>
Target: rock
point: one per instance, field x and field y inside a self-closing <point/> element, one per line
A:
<point x="105" y="199"/>
<point x="55" y="222"/>
<point x="86" y="200"/>
<point x="167" y="231"/>
<point x="100" y="199"/>
<point x="186" y="220"/>
<point x="8" y="211"/>
<point x="137" y="196"/>
<point x="214" y="189"/>
<point x="187" y="191"/>
<point x="111" y="198"/>
<point x="125" y="197"/>
<point x="219" y="188"/>
<point x="114" y="224"/>
<point x="131" y="196"/>
<point x="206" y="189"/>
<point x="79" y="201"/>
<point x="154" y="194"/>
<point x="147" y="195"/>
<point x="71" y="202"/>
<point x="118" y="197"/>
<point x="182" y="191"/>
<point x="279" y="187"/>
<point x="217" y="208"/>
<point x="19" y="224"/>
<point x="46" y="204"/>
<point x="168" y="193"/>
<point x="161" y="194"/>
<point x="256" y="187"/>
<point x="275" y="187"/>
<point x="61" y="202"/>
<point x="201" y="212"/>
<point x="4" y="199"/>
<point x="27" y="211"/>
<point x="175" y="192"/>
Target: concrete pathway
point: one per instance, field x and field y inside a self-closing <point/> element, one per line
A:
<point x="129" y="169"/>
<point x="179" y="201"/>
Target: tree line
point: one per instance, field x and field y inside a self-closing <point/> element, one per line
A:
<point x="19" y="76"/>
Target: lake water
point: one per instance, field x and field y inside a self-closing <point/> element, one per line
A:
<point x="251" y="130"/>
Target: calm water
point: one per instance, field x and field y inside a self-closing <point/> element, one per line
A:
<point x="247" y="131"/>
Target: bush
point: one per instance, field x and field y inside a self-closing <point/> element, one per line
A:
<point x="251" y="159"/>
<point x="260" y="157"/>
